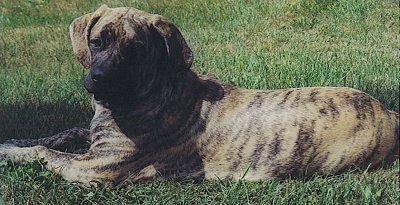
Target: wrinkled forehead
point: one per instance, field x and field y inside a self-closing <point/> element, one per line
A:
<point x="126" y="20"/>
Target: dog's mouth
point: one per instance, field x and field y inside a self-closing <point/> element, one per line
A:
<point x="108" y="91"/>
<point x="99" y="92"/>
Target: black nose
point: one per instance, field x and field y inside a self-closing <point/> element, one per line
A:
<point x="97" y="76"/>
<point x="96" y="80"/>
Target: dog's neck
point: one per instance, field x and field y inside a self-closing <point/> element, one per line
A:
<point x="169" y="108"/>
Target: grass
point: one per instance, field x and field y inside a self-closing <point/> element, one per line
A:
<point x="34" y="185"/>
<point x="248" y="43"/>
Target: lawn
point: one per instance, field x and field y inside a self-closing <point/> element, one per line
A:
<point x="254" y="44"/>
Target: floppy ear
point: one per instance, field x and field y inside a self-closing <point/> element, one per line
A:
<point x="79" y="32"/>
<point x="179" y="53"/>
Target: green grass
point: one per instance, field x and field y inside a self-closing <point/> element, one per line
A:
<point x="34" y="185"/>
<point x="248" y="43"/>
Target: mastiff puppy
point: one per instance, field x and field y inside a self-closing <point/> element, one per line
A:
<point x="156" y="119"/>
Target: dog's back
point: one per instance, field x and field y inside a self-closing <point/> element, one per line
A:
<point x="295" y="132"/>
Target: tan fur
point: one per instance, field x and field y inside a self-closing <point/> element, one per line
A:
<point x="196" y="128"/>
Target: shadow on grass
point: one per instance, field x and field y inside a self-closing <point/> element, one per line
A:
<point x="41" y="120"/>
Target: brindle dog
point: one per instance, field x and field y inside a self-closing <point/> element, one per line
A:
<point x="155" y="118"/>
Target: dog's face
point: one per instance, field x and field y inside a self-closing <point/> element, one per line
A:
<point x="129" y="52"/>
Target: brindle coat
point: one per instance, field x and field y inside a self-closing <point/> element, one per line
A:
<point x="155" y="118"/>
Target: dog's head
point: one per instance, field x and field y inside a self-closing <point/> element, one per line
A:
<point x="128" y="50"/>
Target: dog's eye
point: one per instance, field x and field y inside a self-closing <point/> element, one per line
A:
<point x="95" y="43"/>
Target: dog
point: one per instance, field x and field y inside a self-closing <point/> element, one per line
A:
<point x="157" y="119"/>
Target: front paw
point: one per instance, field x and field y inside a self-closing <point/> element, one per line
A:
<point x="16" y="154"/>
<point x="5" y="150"/>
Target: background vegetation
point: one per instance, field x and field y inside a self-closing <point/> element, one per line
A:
<point x="254" y="44"/>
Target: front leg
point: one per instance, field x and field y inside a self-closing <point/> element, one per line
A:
<point x="20" y="155"/>
<point x="75" y="140"/>
<point x="85" y="168"/>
